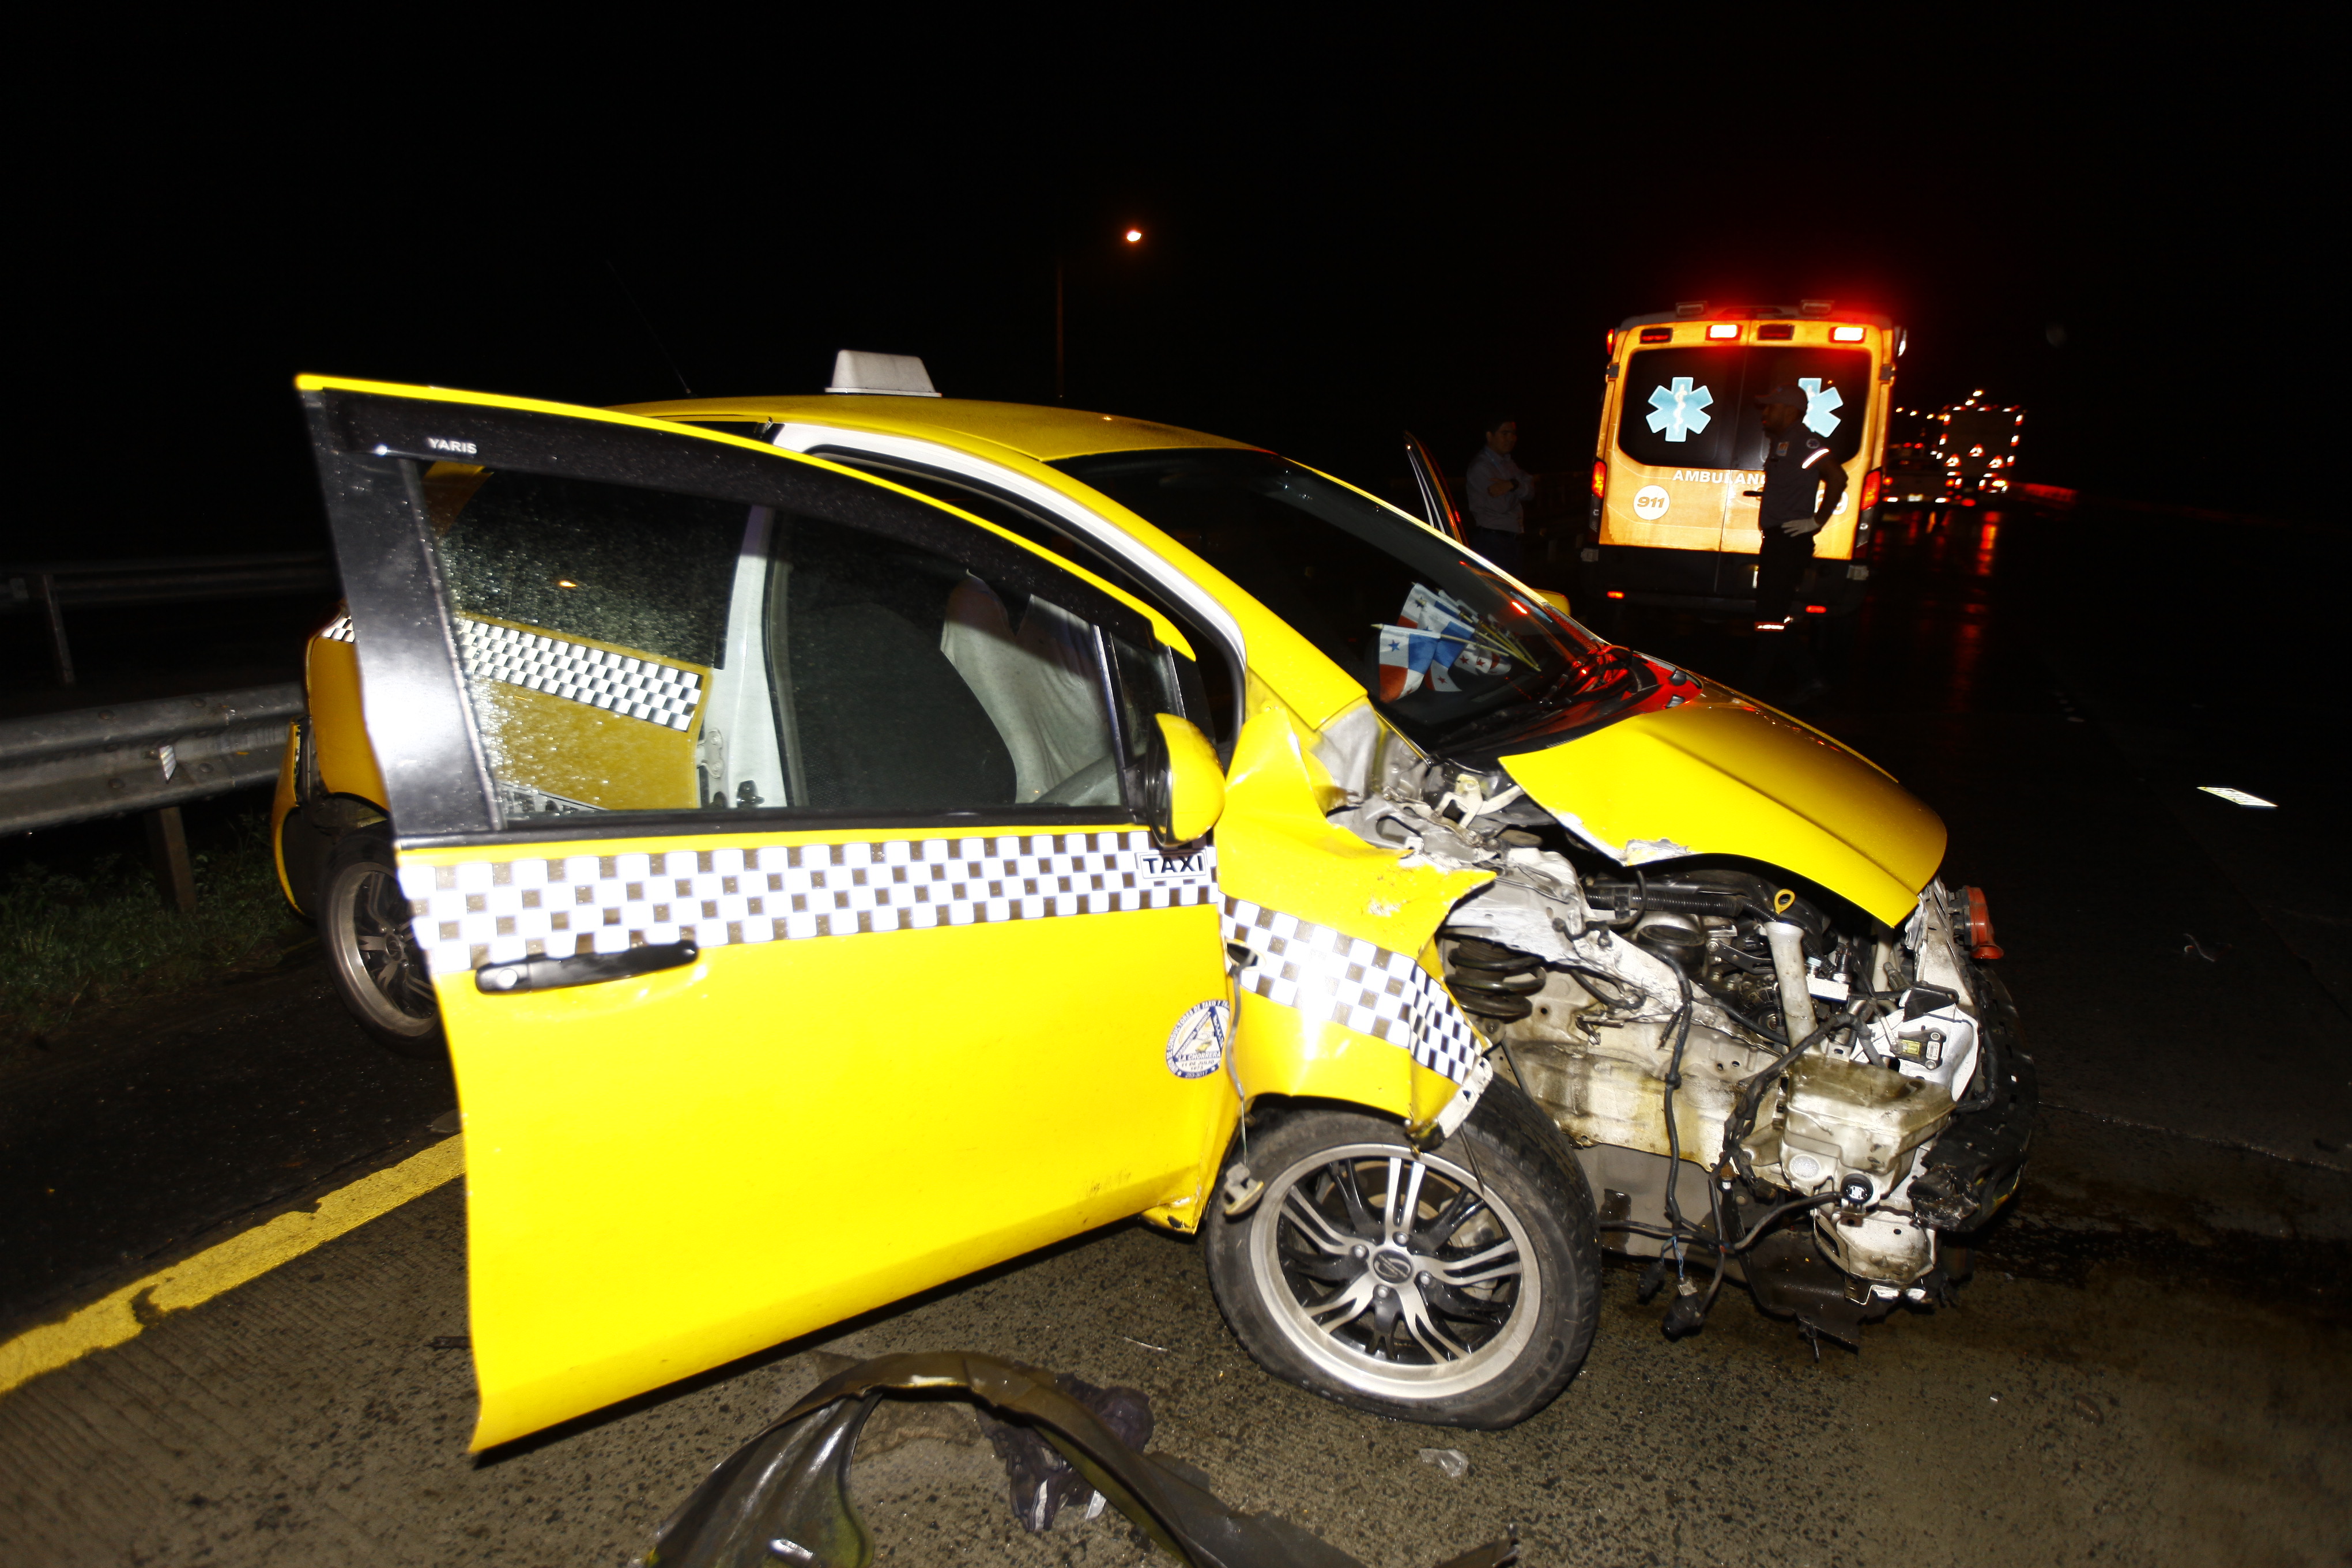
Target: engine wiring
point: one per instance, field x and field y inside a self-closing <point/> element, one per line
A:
<point x="1736" y="1125"/>
<point x="1681" y="1232"/>
<point x="1674" y="1080"/>
<point x="1764" y="1032"/>
<point x="1755" y="1232"/>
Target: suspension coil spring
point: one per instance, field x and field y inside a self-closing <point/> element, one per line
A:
<point x="1493" y="981"/>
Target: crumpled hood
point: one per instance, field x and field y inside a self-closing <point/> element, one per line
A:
<point x="1720" y="775"/>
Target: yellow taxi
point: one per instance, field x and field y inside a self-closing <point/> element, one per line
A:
<point x="1680" y="461"/>
<point x="846" y="841"/>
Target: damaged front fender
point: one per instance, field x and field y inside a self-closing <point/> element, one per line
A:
<point x="1339" y="992"/>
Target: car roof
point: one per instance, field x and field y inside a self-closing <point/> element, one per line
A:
<point x="1711" y="312"/>
<point x="1045" y="434"/>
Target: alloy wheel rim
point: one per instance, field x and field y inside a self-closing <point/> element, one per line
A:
<point x="376" y="949"/>
<point x="1405" y="1278"/>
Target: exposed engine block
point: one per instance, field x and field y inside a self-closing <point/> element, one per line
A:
<point x="1726" y="1052"/>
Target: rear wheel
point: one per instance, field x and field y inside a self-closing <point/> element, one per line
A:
<point x="1458" y="1288"/>
<point x="371" y="949"/>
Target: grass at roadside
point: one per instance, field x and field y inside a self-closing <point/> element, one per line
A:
<point x="92" y="931"/>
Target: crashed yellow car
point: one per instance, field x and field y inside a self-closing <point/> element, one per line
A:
<point x="846" y="841"/>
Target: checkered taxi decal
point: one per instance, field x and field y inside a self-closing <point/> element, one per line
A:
<point x="664" y="694"/>
<point x="1326" y="974"/>
<point x="643" y="689"/>
<point x="492" y="911"/>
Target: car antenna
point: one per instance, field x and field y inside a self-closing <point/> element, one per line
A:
<point x="648" y="321"/>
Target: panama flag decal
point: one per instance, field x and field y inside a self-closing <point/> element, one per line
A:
<point x="1430" y="633"/>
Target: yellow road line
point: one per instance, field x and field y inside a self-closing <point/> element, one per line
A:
<point x="114" y="1319"/>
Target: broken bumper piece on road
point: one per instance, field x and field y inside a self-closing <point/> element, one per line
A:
<point x="784" y="1497"/>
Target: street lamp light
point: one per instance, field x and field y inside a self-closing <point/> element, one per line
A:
<point x="1133" y="236"/>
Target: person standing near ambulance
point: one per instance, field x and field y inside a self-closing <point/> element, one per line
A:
<point x="1498" y="493"/>
<point x="1802" y="487"/>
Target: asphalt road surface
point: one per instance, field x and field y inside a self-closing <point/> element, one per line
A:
<point x="2153" y="1364"/>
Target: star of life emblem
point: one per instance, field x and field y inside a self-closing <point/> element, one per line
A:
<point x="1821" y="405"/>
<point x="1680" y="409"/>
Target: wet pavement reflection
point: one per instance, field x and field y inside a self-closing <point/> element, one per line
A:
<point x="2059" y="688"/>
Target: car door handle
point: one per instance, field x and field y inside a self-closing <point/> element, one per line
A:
<point x="582" y="969"/>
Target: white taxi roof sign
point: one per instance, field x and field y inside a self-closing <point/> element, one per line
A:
<point x="860" y="371"/>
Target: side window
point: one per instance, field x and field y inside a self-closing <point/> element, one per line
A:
<point x="1209" y="697"/>
<point x="627" y="650"/>
<point x="590" y="619"/>
<point x="905" y="682"/>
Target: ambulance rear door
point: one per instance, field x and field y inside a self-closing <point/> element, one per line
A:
<point x="1680" y="420"/>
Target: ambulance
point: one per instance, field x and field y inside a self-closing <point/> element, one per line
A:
<point x="1679" y="465"/>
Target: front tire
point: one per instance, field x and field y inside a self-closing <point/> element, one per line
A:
<point x="371" y="950"/>
<point x="1459" y="1289"/>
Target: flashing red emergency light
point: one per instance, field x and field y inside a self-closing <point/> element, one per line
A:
<point x="1817" y="609"/>
<point x="1600" y="477"/>
<point x="1616" y="593"/>
<point x="1870" y="483"/>
<point x="1657" y="335"/>
<point x="1723" y="329"/>
<point x="1845" y="335"/>
<point x="1610" y="351"/>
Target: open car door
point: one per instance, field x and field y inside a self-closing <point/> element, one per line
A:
<point x="775" y="839"/>
<point x="1437" y="508"/>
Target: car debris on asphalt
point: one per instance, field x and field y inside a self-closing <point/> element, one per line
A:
<point x="784" y="1497"/>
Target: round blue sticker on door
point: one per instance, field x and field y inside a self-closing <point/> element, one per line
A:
<point x="1196" y="1045"/>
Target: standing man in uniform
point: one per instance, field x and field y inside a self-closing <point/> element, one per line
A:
<point x="1498" y="491"/>
<point x="1802" y="487"/>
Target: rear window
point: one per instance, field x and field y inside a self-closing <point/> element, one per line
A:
<point x="1690" y="408"/>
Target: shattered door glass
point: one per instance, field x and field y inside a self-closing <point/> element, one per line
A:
<point x="630" y="650"/>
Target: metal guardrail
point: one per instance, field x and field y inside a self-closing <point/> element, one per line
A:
<point x="167" y="580"/>
<point x="54" y="586"/>
<point x="146" y="756"/>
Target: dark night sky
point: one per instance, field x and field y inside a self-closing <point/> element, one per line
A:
<point x="1343" y="239"/>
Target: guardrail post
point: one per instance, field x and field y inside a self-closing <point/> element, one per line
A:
<point x="47" y="585"/>
<point x="167" y="841"/>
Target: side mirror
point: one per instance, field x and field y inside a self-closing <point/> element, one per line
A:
<point x="1184" y="785"/>
<point x="1555" y="599"/>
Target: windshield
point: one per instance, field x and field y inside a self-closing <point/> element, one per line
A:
<point x="1448" y="650"/>
<point x="1695" y="408"/>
